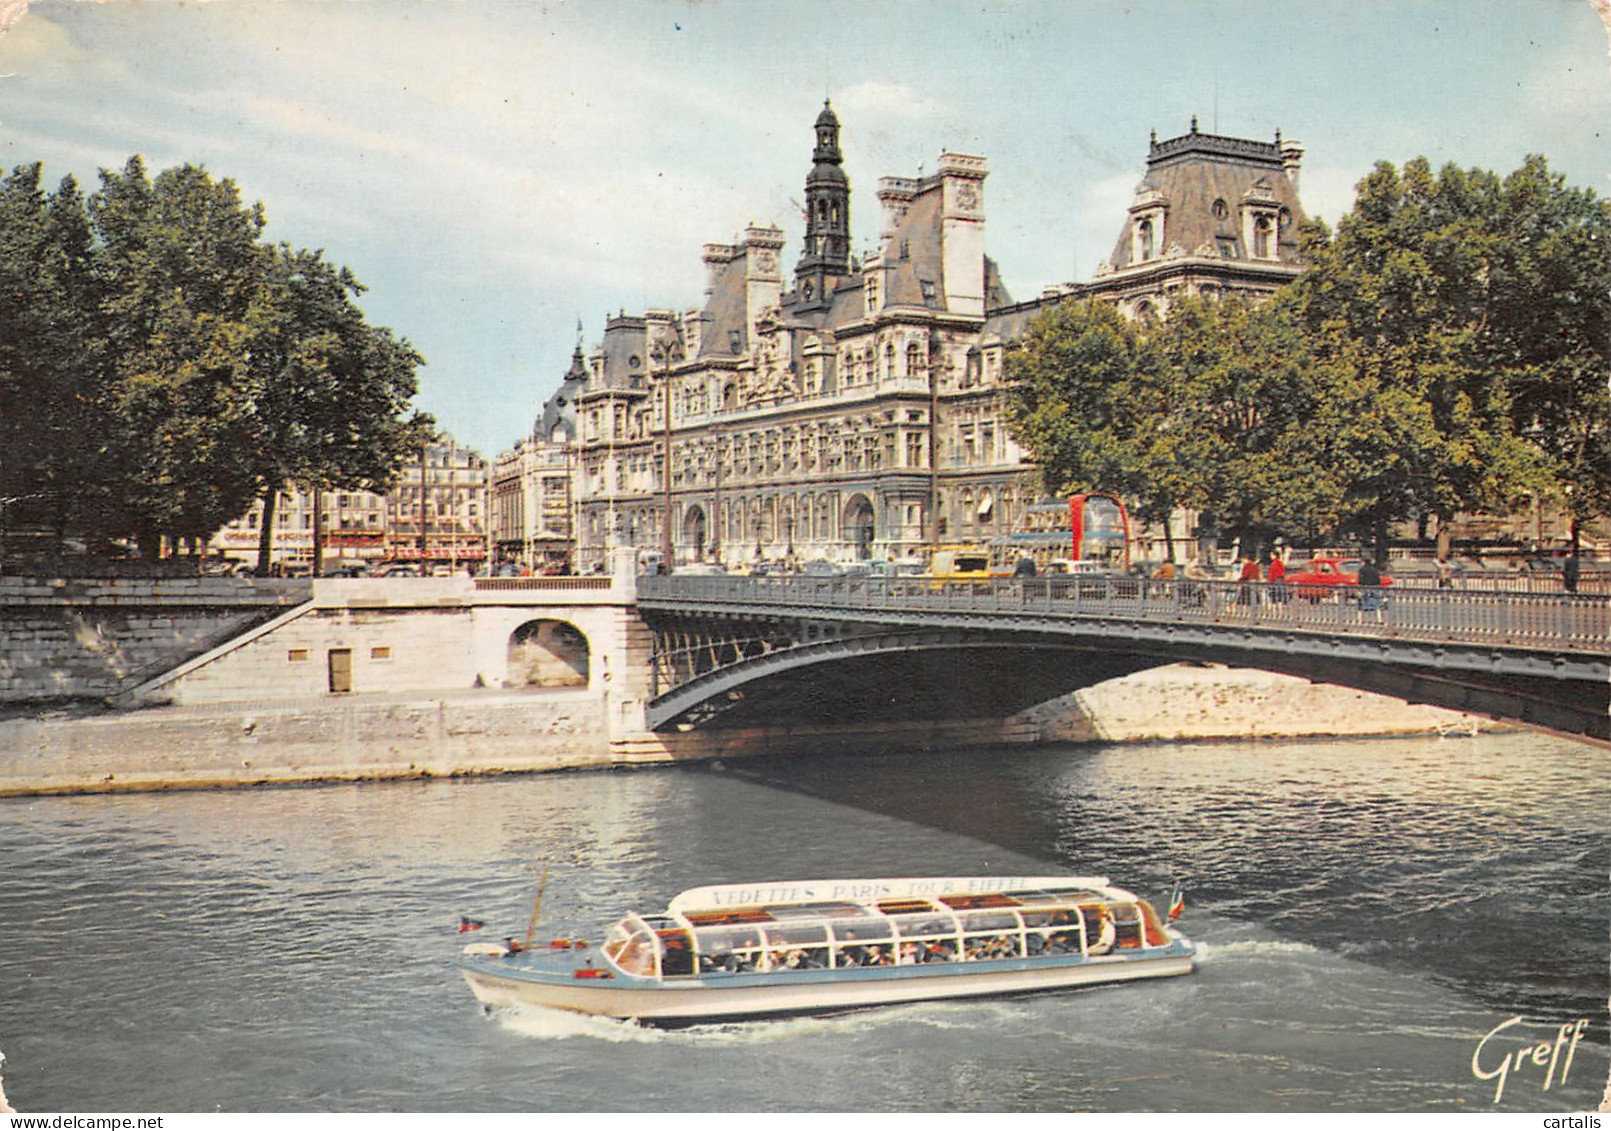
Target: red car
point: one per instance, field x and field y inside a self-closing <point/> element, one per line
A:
<point x="1320" y="576"/>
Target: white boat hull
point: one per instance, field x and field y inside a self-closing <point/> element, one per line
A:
<point x="710" y="1000"/>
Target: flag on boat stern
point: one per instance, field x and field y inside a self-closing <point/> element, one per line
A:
<point x="1177" y="904"/>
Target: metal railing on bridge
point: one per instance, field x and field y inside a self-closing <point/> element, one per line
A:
<point x="1578" y="624"/>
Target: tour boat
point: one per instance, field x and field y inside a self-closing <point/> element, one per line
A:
<point x="823" y="946"/>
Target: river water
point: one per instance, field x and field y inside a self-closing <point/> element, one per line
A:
<point x="1366" y="913"/>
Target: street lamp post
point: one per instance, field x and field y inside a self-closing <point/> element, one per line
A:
<point x="667" y="355"/>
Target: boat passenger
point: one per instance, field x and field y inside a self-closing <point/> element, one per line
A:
<point x="1106" y="933"/>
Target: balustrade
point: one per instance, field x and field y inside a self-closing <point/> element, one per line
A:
<point x="1561" y="622"/>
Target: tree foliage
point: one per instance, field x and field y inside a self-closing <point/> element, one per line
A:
<point x="161" y="367"/>
<point x="1445" y="351"/>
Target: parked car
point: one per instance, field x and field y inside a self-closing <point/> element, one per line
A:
<point x="1322" y="577"/>
<point x="820" y="568"/>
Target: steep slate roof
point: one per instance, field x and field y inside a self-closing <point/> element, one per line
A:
<point x="625" y="337"/>
<point x="560" y="407"/>
<point x="1196" y="169"/>
<point x="725" y="312"/>
<point x="914" y="253"/>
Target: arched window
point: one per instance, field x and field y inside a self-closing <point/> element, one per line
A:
<point x="914" y="360"/>
<point x="1145" y="231"/>
<point x="1261" y="238"/>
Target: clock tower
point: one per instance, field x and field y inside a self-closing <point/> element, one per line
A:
<point x="826" y="254"/>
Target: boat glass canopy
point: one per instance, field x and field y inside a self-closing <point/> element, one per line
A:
<point x="1083" y="918"/>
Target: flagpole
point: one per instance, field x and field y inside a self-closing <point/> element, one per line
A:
<point x="536" y="908"/>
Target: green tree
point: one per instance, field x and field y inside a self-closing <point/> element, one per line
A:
<point x="179" y="261"/>
<point x="1071" y="401"/>
<point x="49" y="360"/>
<point x="329" y="392"/>
<point x="1406" y="301"/>
<point x="1210" y="410"/>
<point x="1548" y="327"/>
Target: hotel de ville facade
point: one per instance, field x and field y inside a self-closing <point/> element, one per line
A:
<point x="854" y="410"/>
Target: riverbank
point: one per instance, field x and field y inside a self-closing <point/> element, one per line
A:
<point x="483" y="732"/>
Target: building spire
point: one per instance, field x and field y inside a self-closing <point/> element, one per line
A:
<point x="826" y="253"/>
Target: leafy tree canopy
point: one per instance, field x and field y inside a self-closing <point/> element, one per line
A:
<point x="1445" y="351"/>
<point x="161" y="367"/>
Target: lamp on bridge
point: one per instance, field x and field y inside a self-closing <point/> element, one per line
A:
<point x="666" y="354"/>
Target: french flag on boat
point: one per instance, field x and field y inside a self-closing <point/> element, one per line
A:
<point x="1177" y="903"/>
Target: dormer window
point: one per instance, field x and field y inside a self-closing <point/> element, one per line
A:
<point x="1148" y="234"/>
<point x="1262" y="237"/>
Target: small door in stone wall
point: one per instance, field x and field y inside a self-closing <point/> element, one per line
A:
<point x="340" y="670"/>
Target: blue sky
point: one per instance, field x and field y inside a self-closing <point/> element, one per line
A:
<point x="495" y="170"/>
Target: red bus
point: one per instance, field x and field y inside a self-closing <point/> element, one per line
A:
<point x="1092" y="528"/>
<point x="1101" y="529"/>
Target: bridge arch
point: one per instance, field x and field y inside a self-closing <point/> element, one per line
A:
<point x="905" y="675"/>
<point x="545" y="652"/>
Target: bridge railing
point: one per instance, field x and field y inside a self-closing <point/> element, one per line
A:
<point x="1538" y="620"/>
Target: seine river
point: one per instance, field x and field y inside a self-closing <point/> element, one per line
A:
<point x="1367" y="912"/>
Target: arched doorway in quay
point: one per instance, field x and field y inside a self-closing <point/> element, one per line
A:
<point x="548" y="653"/>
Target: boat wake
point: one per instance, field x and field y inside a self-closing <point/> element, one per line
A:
<point x="1212" y="952"/>
<point x="541" y="1023"/>
<point x="545" y="1024"/>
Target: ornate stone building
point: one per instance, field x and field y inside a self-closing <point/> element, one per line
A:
<point x="854" y="410"/>
<point x="1212" y="215"/>
<point x="532" y="494"/>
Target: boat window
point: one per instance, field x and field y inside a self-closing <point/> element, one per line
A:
<point x="965" y="902"/>
<point x="991" y="934"/>
<point x="869" y="931"/>
<point x="923" y="926"/>
<point x="869" y="943"/>
<point x="816" y="910"/>
<point x="1154" y="932"/>
<point x="988" y="921"/>
<point x="735" y="949"/>
<point x="1126" y="925"/>
<point x="630" y="946"/>
<point x="740" y="915"/>
<point x="1052" y="932"/>
<point x="676" y="953"/>
<point x="926" y="938"/>
<point x="904" y="906"/>
<point x="797" y="946"/>
<point x="1099" y="928"/>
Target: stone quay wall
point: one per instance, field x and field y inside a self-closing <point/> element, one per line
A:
<point x="87" y="639"/>
<point x="232" y="678"/>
